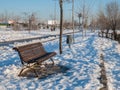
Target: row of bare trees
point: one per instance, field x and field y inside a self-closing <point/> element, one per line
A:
<point x="109" y="19"/>
<point x="27" y="20"/>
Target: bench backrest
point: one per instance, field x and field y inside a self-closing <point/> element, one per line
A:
<point x="30" y="51"/>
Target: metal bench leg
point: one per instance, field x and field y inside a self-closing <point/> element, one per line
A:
<point x="36" y="74"/>
<point x="21" y="72"/>
<point x="52" y="61"/>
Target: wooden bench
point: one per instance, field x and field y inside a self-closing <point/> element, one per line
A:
<point x="34" y="55"/>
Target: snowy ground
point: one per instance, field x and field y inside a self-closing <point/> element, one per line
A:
<point x="8" y="35"/>
<point x="83" y="59"/>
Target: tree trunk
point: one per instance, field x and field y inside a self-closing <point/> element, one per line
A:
<point x="115" y="34"/>
<point x="114" y="31"/>
<point x="107" y="33"/>
<point x="61" y="25"/>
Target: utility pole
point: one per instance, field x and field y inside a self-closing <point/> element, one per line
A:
<point x="73" y="19"/>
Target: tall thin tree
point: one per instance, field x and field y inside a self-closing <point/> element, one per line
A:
<point x="73" y="19"/>
<point x="61" y="25"/>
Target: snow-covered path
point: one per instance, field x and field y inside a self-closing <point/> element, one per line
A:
<point x="82" y="60"/>
<point x="112" y="59"/>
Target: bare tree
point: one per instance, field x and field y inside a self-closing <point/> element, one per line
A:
<point x="32" y="21"/>
<point x="103" y="22"/>
<point x="118" y="26"/>
<point x="112" y="14"/>
<point x="93" y="23"/>
<point x="61" y="25"/>
<point x="16" y="23"/>
<point x="109" y="18"/>
<point x="67" y="24"/>
<point x="84" y="13"/>
<point x="4" y="17"/>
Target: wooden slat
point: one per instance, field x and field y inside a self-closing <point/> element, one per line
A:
<point x="34" y="51"/>
<point x="26" y="47"/>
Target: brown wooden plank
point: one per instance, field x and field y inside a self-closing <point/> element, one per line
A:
<point x="26" y="47"/>
<point x="35" y="51"/>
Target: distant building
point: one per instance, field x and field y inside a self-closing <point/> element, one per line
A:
<point x="3" y="24"/>
<point x="10" y="21"/>
<point x="52" y="22"/>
